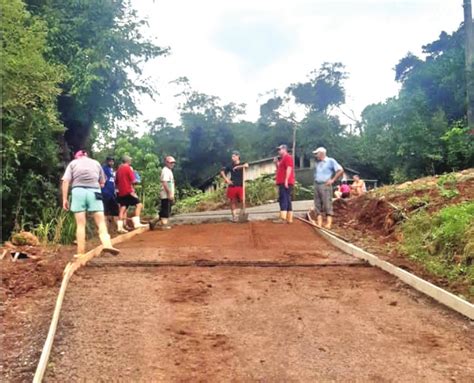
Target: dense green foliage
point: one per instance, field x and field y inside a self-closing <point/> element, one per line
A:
<point x="30" y="124"/>
<point x="443" y="242"/>
<point x="67" y="66"/>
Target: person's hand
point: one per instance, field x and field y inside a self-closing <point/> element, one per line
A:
<point x="66" y="205"/>
<point x="286" y="184"/>
<point x="275" y="160"/>
<point x="329" y="182"/>
<point x="228" y="182"/>
<point x="171" y="197"/>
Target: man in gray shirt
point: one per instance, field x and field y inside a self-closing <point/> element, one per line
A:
<point x="86" y="177"/>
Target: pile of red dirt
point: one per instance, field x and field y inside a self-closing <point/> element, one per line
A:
<point x="25" y="275"/>
<point x="379" y="211"/>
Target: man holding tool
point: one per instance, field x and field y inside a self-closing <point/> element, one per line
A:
<point x="235" y="185"/>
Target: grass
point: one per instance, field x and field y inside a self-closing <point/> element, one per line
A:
<point x="59" y="227"/>
<point x="443" y="242"/>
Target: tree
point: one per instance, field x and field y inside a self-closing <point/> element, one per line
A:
<point x="30" y="124"/>
<point x="100" y="43"/>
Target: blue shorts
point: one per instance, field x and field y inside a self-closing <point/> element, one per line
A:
<point x="85" y="199"/>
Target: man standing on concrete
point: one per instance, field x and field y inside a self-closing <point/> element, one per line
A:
<point x="111" y="208"/>
<point x="327" y="172"/>
<point x="235" y="190"/>
<point x="86" y="177"/>
<point x="167" y="194"/>
<point x="125" y="179"/>
<point x="285" y="179"/>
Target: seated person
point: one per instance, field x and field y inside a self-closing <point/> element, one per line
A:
<point x="358" y="186"/>
<point x="345" y="189"/>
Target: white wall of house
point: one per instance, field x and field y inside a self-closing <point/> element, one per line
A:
<point x="259" y="169"/>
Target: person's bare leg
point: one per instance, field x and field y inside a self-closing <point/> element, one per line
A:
<point x="80" y="232"/>
<point x="329" y="222"/>
<point x="136" y="218"/>
<point x="138" y="209"/>
<point x="121" y="220"/>
<point x="104" y="236"/>
<point x="319" y="220"/>
<point x="233" y="208"/>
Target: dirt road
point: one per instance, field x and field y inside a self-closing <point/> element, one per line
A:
<point x="277" y="305"/>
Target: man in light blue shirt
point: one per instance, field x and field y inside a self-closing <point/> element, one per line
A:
<point x="326" y="172"/>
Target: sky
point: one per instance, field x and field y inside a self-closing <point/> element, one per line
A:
<point x="240" y="50"/>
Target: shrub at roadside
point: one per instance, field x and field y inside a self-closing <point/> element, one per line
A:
<point x="443" y="242"/>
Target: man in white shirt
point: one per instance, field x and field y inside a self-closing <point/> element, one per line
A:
<point x="167" y="193"/>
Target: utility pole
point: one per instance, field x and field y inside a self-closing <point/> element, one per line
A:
<point x="469" y="50"/>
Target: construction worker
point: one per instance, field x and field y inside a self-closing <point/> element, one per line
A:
<point x="326" y="172"/>
<point x="85" y="177"/>
<point x="125" y="179"/>
<point x="235" y="190"/>
<point x="167" y="194"/>
<point x="285" y="179"/>
<point x="111" y="208"/>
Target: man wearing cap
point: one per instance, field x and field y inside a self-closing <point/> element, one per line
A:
<point x="167" y="193"/>
<point x="327" y="172"/>
<point x="125" y="179"/>
<point x="235" y="191"/>
<point x="111" y="208"/>
<point x="86" y="177"/>
<point x="285" y="179"/>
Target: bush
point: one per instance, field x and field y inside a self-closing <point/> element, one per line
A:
<point x="59" y="227"/>
<point x="443" y="241"/>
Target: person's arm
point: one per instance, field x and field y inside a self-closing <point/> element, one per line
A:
<point x="102" y="177"/>
<point x="167" y="189"/>
<point x="246" y="165"/>
<point x="65" y="192"/>
<point x="227" y="180"/>
<point x="287" y="175"/>
<point x="164" y="182"/>
<point x="337" y="175"/>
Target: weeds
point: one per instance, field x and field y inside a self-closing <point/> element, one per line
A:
<point x="447" y="186"/>
<point x="443" y="242"/>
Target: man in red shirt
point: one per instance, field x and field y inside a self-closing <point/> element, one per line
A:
<point x="124" y="179"/>
<point x="285" y="179"/>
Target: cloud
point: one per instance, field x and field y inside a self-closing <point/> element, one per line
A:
<point x="238" y="50"/>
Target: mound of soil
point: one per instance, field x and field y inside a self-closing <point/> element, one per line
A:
<point x="371" y="221"/>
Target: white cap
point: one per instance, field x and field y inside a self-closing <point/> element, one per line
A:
<point x="320" y="149"/>
<point x="170" y="159"/>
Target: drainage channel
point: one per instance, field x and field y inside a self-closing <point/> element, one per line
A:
<point x="210" y="263"/>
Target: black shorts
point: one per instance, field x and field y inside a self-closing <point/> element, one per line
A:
<point x="111" y="207"/>
<point x="165" y="210"/>
<point x="128" y="200"/>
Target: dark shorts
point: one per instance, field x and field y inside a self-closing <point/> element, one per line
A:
<point x="345" y="195"/>
<point x="128" y="200"/>
<point x="165" y="209"/>
<point x="111" y="207"/>
<point x="235" y="193"/>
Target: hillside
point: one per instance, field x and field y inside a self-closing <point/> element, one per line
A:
<point x="425" y="226"/>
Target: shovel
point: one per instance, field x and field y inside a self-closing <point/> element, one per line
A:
<point x="243" y="216"/>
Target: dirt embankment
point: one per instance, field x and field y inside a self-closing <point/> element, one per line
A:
<point x="373" y="220"/>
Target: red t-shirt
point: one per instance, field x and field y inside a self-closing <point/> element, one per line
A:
<point x="124" y="179"/>
<point x="283" y="164"/>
